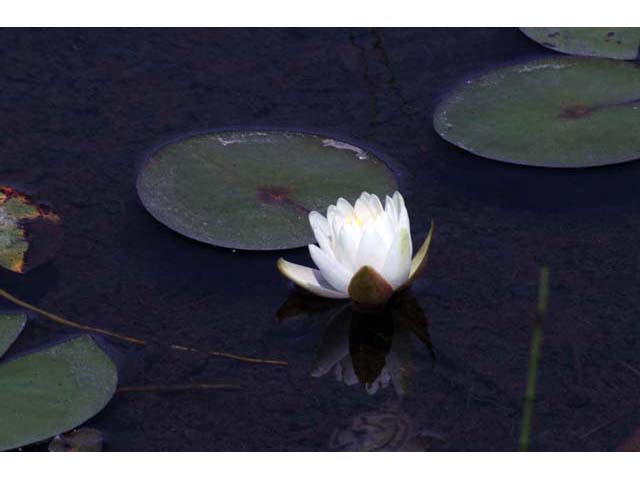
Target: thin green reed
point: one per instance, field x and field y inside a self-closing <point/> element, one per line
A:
<point x="534" y="357"/>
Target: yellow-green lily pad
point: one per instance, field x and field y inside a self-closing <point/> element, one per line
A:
<point x="53" y="391"/>
<point x="622" y="43"/>
<point x="253" y="190"/>
<point x="30" y="234"/>
<point x="557" y="111"/>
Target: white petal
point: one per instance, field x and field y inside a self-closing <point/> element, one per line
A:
<point x="390" y="209"/>
<point x="398" y="202"/>
<point x="375" y="205"/>
<point x="402" y="217"/>
<point x="318" y="223"/>
<point x="325" y="243"/>
<point x="385" y="228"/>
<point x="335" y="220"/>
<point x="346" y="246"/>
<point x="398" y="261"/>
<point x="362" y="209"/>
<point x="309" y="279"/>
<point x="404" y="225"/>
<point x="332" y="271"/>
<point x="344" y="207"/>
<point x="372" y="250"/>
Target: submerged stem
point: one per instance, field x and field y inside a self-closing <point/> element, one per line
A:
<point x="534" y="357"/>
<point x="128" y="339"/>
<point x="176" y="388"/>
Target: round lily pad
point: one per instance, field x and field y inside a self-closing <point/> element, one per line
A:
<point x="53" y="391"/>
<point x="622" y="43"/>
<point x="552" y="112"/>
<point x="30" y="234"/>
<point x="254" y="190"/>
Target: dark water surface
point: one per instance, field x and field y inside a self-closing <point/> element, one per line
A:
<point x="80" y="109"/>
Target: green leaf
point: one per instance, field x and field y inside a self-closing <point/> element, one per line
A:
<point x="11" y="324"/>
<point x="368" y="287"/>
<point x="254" y="189"/>
<point x="419" y="261"/>
<point x="53" y="391"/>
<point x="557" y="111"/>
<point x="622" y="43"/>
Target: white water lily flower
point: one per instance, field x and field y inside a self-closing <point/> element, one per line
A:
<point x="363" y="252"/>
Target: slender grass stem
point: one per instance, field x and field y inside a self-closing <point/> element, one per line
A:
<point x="128" y="339"/>
<point x="177" y="388"/>
<point x="534" y="357"/>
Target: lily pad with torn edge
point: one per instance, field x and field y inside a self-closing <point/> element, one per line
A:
<point x="30" y="234"/>
<point x="253" y="190"/>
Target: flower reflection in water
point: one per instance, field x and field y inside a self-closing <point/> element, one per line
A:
<point x="373" y="348"/>
<point x="388" y="429"/>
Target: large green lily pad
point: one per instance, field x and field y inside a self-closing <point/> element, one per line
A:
<point x="254" y="189"/>
<point x="622" y="43"/>
<point x="53" y="390"/>
<point x="30" y="234"/>
<point x="551" y="112"/>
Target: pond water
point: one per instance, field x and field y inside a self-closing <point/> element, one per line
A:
<point x="82" y="108"/>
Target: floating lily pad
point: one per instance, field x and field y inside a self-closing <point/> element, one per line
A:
<point x="10" y="327"/>
<point x="254" y="189"/>
<point x="53" y="391"/>
<point x="29" y="234"/>
<point x="622" y="43"/>
<point x="552" y="112"/>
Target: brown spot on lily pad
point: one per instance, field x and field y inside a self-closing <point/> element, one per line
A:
<point x="574" y="112"/>
<point x="272" y="194"/>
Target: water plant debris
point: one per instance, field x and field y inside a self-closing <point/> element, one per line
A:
<point x="136" y="341"/>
